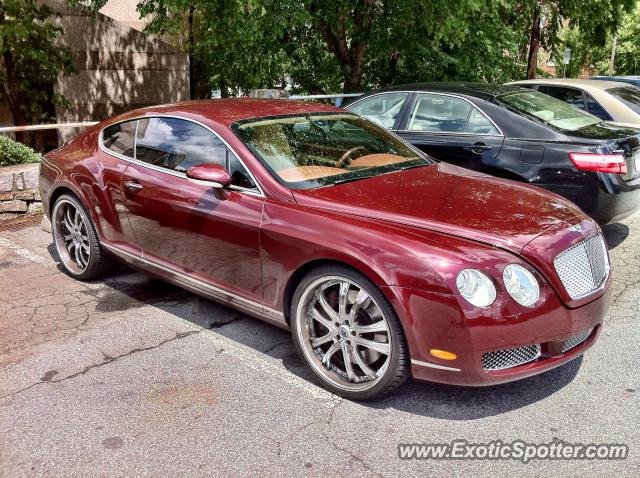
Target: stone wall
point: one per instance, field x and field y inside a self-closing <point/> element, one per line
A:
<point x="19" y="194"/>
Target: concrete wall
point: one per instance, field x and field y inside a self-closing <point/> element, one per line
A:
<point x="119" y="68"/>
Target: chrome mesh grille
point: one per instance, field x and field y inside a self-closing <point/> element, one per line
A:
<point x="584" y="267"/>
<point x="575" y="341"/>
<point x="507" y="358"/>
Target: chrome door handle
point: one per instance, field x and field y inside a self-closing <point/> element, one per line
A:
<point x="132" y="186"/>
<point x="478" y="148"/>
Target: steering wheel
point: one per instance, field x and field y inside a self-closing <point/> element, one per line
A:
<point x="345" y="159"/>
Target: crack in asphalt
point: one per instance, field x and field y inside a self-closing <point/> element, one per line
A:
<point x="217" y="325"/>
<point x="351" y="454"/>
<point x="107" y="360"/>
<point x="276" y="345"/>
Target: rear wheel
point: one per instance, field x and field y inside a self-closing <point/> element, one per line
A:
<point x="76" y="241"/>
<point x="348" y="333"/>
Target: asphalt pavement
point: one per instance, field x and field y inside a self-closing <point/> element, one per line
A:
<point x="131" y="376"/>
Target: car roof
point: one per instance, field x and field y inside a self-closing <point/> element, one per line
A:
<point x="227" y="111"/>
<point x="625" y="77"/>
<point x="582" y="83"/>
<point x="477" y="90"/>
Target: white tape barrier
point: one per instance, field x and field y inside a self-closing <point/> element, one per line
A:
<point x="37" y="127"/>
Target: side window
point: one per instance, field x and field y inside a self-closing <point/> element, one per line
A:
<point x="119" y="138"/>
<point x="381" y="109"/>
<point x="439" y="113"/>
<point x="239" y="175"/>
<point x="595" y="109"/>
<point x="480" y="124"/>
<point x="177" y="144"/>
<point x="568" y="95"/>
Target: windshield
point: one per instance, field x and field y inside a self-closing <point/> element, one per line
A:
<point x="550" y="110"/>
<point x="316" y="150"/>
<point x="629" y="96"/>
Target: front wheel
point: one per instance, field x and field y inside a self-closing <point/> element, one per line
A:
<point x="348" y="333"/>
<point x="76" y="240"/>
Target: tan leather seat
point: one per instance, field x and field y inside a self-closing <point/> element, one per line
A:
<point x="377" y="159"/>
<point x="304" y="173"/>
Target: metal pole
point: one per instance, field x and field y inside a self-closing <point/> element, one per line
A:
<point x="613" y="55"/>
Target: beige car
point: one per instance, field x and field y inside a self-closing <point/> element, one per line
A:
<point x="608" y="100"/>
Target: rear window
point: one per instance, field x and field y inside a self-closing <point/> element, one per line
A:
<point x="549" y="110"/>
<point x="629" y="96"/>
<point x="118" y="138"/>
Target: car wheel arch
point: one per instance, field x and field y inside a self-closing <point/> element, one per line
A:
<point x="298" y="275"/>
<point x="58" y="191"/>
<point x="67" y="188"/>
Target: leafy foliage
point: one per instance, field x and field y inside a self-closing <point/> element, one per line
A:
<point x="12" y="152"/>
<point x="31" y="60"/>
<point x="627" y="59"/>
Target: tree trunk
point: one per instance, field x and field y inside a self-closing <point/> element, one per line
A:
<point x="534" y="44"/>
<point x="350" y="50"/>
<point x="12" y="94"/>
<point x="192" y="64"/>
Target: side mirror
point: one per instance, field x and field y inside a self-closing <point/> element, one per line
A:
<point x="212" y="175"/>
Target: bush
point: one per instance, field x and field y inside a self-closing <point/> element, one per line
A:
<point x="12" y="152"/>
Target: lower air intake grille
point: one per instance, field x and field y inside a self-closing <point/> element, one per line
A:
<point x="575" y="341"/>
<point x="508" y="358"/>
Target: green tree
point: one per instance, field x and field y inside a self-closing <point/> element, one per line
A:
<point x="32" y="60"/>
<point x="545" y="18"/>
<point x="627" y="55"/>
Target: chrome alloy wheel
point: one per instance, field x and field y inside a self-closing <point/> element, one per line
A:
<point x="71" y="236"/>
<point x="344" y="334"/>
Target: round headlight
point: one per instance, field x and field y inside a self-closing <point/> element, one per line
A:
<point x="476" y="287"/>
<point x="521" y="285"/>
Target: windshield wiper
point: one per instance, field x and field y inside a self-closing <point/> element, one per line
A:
<point x="411" y="166"/>
<point x="356" y="178"/>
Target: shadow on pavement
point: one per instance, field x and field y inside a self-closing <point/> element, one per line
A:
<point x="127" y="289"/>
<point x="615" y="234"/>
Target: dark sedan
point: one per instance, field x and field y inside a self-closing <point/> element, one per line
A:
<point x="517" y="134"/>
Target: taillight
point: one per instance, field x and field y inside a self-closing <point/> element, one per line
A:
<point x="602" y="163"/>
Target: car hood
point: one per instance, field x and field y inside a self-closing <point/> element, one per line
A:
<point x="451" y="200"/>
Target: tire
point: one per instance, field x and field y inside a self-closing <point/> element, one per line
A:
<point x="327" y="329"/>
<point x="76" y="242"/>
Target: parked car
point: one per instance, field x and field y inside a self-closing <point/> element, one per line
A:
<point x="517" y="134"/>
<point x="381" y="261"/>
<point x="608" y="100"/>
<point x="632" y="80"/>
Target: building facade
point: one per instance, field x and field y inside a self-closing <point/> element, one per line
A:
<point x="119" y="68"/>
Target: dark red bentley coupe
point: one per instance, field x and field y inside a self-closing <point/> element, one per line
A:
<point x="384" y="263"/>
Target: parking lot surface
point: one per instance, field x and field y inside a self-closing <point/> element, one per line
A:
<point x="131" y="376"/>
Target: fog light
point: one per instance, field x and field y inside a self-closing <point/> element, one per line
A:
<point x="443" y="354"/>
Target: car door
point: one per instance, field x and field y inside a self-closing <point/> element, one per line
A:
<point x="116" y="150"/>
<point x="203" y="233"/>
<point x="451" y="129"/>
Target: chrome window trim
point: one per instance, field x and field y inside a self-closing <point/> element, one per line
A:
<point x="348" y="107"/>
<point x="217" y="291"/>
<point x="446" y="133"/>
<point x="102" y="147"/>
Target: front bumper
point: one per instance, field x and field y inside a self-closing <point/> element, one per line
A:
<point x="445" y="322"/>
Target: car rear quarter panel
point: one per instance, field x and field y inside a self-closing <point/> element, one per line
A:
<point x="90" y="174"/>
